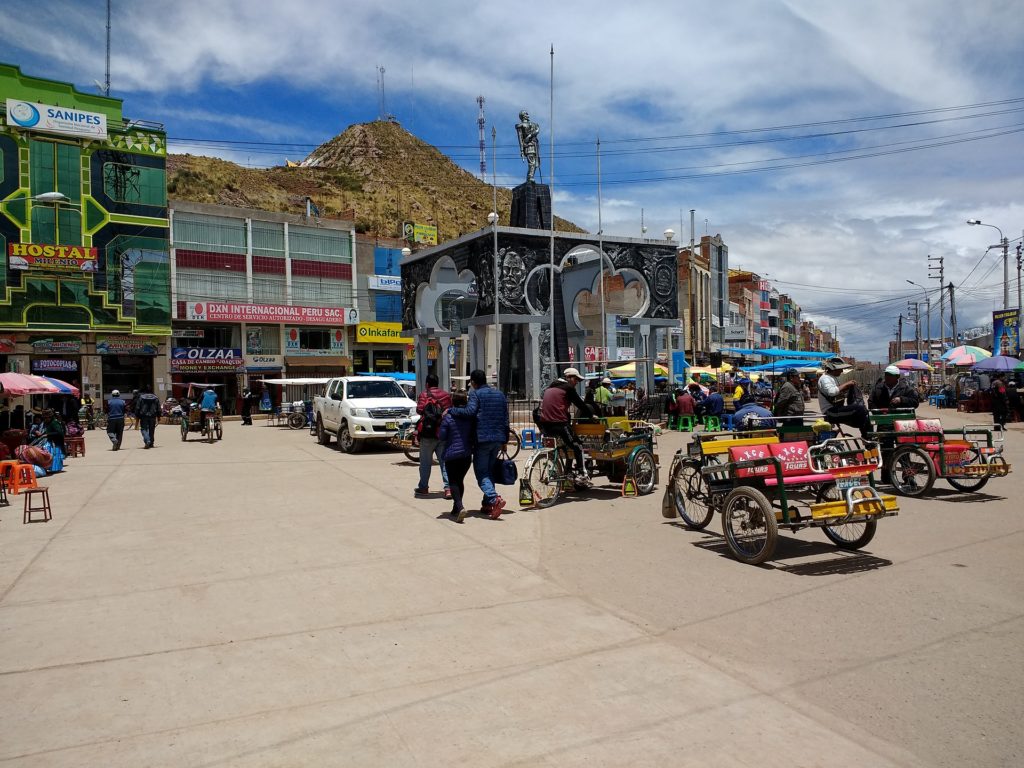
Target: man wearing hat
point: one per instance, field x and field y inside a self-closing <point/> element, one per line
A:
<point x="554" y="416"/>
<point x="832" y="397"/>
<point x="603" y="396"/>
<point x="892" y="391"/>
<point x="790" y="400"/>
<point x="115" y="419"/>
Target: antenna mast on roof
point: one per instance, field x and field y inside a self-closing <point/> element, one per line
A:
<point x="106" y="79"/>
<point x="480" y="122"/>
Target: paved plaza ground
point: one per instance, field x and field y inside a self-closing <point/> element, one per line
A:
<point x="266" y="601"/>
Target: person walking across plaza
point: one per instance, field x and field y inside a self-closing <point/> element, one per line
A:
<point x="1000" y="400"/>
<point x="456" y="435"/>
<point x="431" y="405"/>
<point x="248" y="401"/>
<point x="490" y="408"/>
<point x="115" y="419"/>
<point x="147" y="411"/>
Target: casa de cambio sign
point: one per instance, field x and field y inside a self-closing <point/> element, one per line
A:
<point x="206" y="360"/>
<point x="48" y="118"/>
<point x="270" y="313"/>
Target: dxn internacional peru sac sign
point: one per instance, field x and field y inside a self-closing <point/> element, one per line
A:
<point x="270" y="313"/>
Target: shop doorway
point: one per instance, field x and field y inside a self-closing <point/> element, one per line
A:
<point x="126" y="373"/>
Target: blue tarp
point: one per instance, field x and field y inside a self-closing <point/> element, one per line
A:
<point x="399" y="376"/>
<point x="774" y="352"/>
<point x="781" y="365"/>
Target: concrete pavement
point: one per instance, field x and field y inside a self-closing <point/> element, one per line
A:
<point x="265" y="601"/>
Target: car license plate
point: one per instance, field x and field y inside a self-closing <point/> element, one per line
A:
<point x="391" y="425"/>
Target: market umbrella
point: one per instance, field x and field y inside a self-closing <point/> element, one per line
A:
<point x="964" y="350"/>
<point x="998" y="363"/>
<point x="17" y="384"/>
<point x="912" y="364"/>
<point x="967" y="358"/>
<point x="629" y="370"/>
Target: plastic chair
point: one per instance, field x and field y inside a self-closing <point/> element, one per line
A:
<point x="728" y="421"/>
<point x="23" y="478"/>
<point x="685" y="422"/>
<point x="7" y="471"/>
<point x="938" y="400"/>
<point x="712" y="424"/>
<point x="528" y="438"/>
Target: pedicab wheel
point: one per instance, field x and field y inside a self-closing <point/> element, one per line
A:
<point x="296" y="420"/>
<point x="644" y="470"/>
<point x="970" y="484"/>
<point x="852" y="535"/>
<point x="184" y="428"/>
<point x="690" y="495"/>
<point x="748" y="522"/>
<point x="544" y="473"/>
<point x="322" y="435"/>
<point x="513" y="444"/>
<point x="412" y="452"/>
<point x="912" y="472"/>
<point x="209" y="430"/>
<point x="219" y="429"/>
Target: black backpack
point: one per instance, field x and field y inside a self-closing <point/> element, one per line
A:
<point x="148" y="406"/>
<point x="430" y="420"/>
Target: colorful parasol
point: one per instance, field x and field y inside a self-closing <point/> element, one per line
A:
<point x="912" y="364"/>
<point x="998" y="363"/>
<point x="966" y="354"/>
<point x="18" y="384"/>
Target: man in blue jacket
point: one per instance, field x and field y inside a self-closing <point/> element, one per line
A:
<point x="115" y="418"/>
<point x="490" y="408"/>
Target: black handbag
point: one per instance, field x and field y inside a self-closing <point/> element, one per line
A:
<point x="504" y="471"/>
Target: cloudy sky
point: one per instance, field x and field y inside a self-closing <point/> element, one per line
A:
<point x="834" y="145"/>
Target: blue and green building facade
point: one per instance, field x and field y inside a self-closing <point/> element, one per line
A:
<point x="85" y="277"/>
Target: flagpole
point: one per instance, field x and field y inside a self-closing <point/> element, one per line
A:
<point x="551" y="181"/>
<point x="600" y="256"/>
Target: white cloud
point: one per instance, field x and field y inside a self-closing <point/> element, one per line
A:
<point x="624" y="71"/>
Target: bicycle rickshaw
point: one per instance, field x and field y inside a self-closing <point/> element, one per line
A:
<point x="407" y="441"/>
<point x="916" y="452"/>
<point x="759" y="483"/>
<point x="614" y="446"/>
<point x="191" y="418"/>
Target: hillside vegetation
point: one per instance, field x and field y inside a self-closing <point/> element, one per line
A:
<point x="377" y="174"/>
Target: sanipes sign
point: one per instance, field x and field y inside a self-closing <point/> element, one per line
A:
<point x="270" y="313"/>
<point x="62" y="258"/>
<point x="68" y="121"/>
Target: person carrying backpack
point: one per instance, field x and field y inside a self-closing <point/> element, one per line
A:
<point x="147" y="410"/>
<point x="431" y="405"/>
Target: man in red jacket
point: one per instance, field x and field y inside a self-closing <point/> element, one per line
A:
<point x="431" y="405"/>
<point x="555" y="420"/>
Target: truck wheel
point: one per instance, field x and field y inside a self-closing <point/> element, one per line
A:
<point x="322" y="435"/>
<point x="346" y="442"/>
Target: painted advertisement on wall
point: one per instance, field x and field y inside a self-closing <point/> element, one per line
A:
<point x="1006" y="332"/>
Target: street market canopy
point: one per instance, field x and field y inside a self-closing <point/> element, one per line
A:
<point x="629" y="371"/>
<point x="308" y="382"/>
<point x="775" y="352"/>
<point x="781" y="365"/>
<point x="18" y="384"/>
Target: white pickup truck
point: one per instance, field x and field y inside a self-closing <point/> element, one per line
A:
<point x="361" y="408"/>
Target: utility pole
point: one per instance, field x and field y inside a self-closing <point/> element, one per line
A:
<point x="942" y="323"/>
<point x="914" y="316"/>
<point x="899" y="338"/>
<point x="952" y="315"/>
<point x="1018" y="271"/>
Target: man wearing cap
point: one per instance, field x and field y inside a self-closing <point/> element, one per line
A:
<point x="832" y="396"/>
<point x="554" y="416"/>
<point x="603" y="396"/>
<point x="790" y="400"/>
<point x="892" y="391"/>
<point x="115" y="418"/>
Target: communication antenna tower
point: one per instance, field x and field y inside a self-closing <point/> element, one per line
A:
<point x="480" y="122"/>
<point x="380" y="88"/>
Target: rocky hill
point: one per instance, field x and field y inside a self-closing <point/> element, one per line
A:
<point x="377" y="174"/>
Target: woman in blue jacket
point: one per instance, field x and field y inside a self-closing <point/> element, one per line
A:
<point x="456" y="433"/>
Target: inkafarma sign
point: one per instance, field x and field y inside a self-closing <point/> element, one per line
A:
<point x="48" y="118"/>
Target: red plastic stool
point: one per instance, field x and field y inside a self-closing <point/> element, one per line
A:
<point x="23" y="478"/>
<point x="75" y="446"/>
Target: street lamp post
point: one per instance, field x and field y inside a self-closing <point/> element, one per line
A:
<point x="1005" y="245"/>
<point x="492" y="218"/>
<point x="928" y="317"/>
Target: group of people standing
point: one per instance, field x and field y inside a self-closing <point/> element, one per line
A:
<point x="462" y="430"/>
